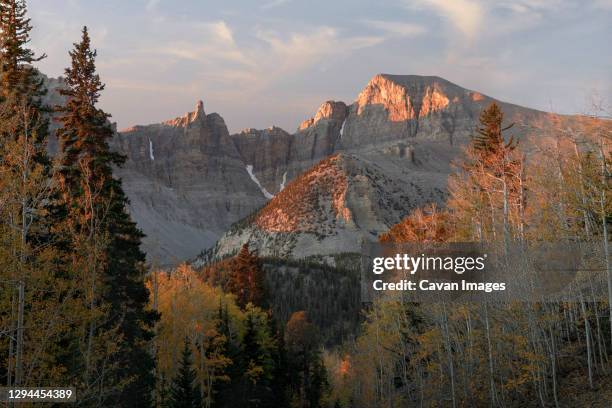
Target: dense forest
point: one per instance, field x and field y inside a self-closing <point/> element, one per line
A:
<point x="79" y="306"/>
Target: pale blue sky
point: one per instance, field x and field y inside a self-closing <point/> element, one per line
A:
<point x="272" y="62"/>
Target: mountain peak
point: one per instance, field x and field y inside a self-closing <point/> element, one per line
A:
<point x="407" y="97"/>
<point x="190" y="117"/>
<point x="408" y="80"/>
<point x="199" y="109"/>
<point x="335" y="110"/>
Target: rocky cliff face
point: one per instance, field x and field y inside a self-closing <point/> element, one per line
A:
<point x="420" y="108"/>
<point x="186" y="182"/>
<point x="277" y="156"/>
<point x="397" y="116"/>
<point x="318" y="136"/>
<point x="330" y="111"/>
<point x="268" y="153"/>
<point x="394" y="107"/>
<point x="52" y="99"/>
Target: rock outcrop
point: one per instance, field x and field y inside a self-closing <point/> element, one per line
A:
<point x="404" y="98"/>
<point x="329" y="110"/>
<point x="52" y="99"/>
<point x="318" y="136"/>
<point x="186" y="182"/>
<point x="395" y="107"/>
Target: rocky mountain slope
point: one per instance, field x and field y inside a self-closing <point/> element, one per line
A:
<point x="392" y="150"/>
<point x="189" y="180"/>
<point x="329" y="209"/>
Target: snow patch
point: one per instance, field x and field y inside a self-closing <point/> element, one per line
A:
<point x="249" y="169"/>
<point x="282" y="186"/>
<point x="151" y="150"/>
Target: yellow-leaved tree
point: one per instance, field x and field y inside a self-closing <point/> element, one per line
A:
<point x="192" y="309"/>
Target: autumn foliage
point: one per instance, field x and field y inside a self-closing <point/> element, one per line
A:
<point x="497" y="354"/>
<point x="423" y="225"/>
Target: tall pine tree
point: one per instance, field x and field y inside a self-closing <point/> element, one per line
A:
<point x="96" y="211"/>
<point x="247" y="278"/>
<point x="184" y="392"/>
<point x="17" y="58"/>
<point x="308" y="379"/>
<point x="21" y="85"/>
<point x="490" y="134"/>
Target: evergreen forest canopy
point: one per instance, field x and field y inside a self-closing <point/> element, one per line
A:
<point x="79" y="306"/>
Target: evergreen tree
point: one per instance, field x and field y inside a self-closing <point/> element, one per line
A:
<point x="490" y="137"/>
<point x="184" y="392"/>
<point x="247" y="278"/>
<point x="163" y="398"/>
<point x="318" y="382"/>
<point x="96" y="211"/>
<point x="307" y="373"/>
<point x="21" y="86"/>
<point x="252" y="370"/>
<point x="489" y="198"/>
<point x="23" y="116"/>
<point x="258" y="348"/>
<point x="225" y="391"/>
<point x="217" y="355"/>
<point x="86" y="158"/>
<point x="252" y="365"/>
<point x="281" y="367"/>
<point x="17" y="74"/>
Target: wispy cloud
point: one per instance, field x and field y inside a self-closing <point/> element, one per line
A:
<point x="212" y="57"/>
<point x="395" y="28"/>
<point x="219" y="46"/>
<point x="465" y="15"/>
<point x="300" y="50"/>
<point x="472" y="17"/>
